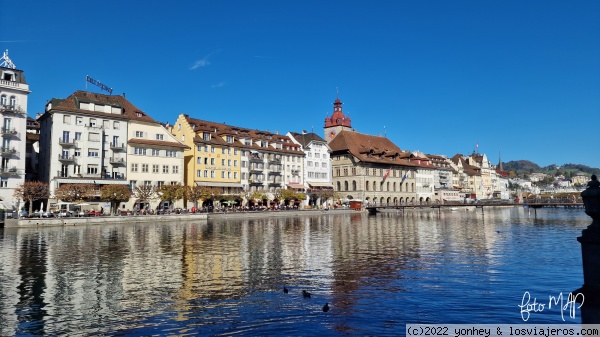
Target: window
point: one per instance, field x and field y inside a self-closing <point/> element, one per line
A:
<point x="212" y="174"/>
<point x="134" y="167"/>
<point x="234" y="175"/>
<point x="93" y="152"/>
<point x="206" y="136"/>
<point x="165" y="168"/>
<point x="198" y="160"/>
<point x="145" y="168"/>
<point x="3" y="99"/>
<point x="94" y="137"/>
<point x="154" y="168"/>
<point x="67" y="119"/>
<point x="212" y="149"/>
<point x="228" y="162"/>
<point x="222" y="162"/>
<point x="199" y="148"/>
<point x="223" y="151"/>
<point x="77" y="135"/>
<point x="205" y="173"/>
<point x="3" y="182"/>
<point x="116" y="125"/>
<point x="160" y="183"/>
<point x="92" y="122"/>
<point x="92" y="169"/>
<point x="235" y="163"/>
<point x="199" y="173"/>
<point x="155" y="152"/>
<point x="175" y="169"/>
<point x="235" y="151"/>
<point x="212" y="161"/>
<point x="77" y="153"/>
<point x="140" y="151"/>
<point x="222" y="174"/>
<point x="159" y="136"/>
<point x="77" y="169"/>
<point x="139" y="134"/>
<point x="229" y="139"/>
<point x="106" y="124"/>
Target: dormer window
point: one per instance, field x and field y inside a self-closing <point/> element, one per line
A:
<point x="139" y="114"/>
<point x="230" y="139"/>
<point x="206" y="135"/>
<point x="8" y="76"/>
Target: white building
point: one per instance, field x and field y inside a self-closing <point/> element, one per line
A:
<point x="316" y="167"/>
<point x="85" y="140"/>
<point x="13" y="111"/>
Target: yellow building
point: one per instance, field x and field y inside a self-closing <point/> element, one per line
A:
<point x="213" y="158"/>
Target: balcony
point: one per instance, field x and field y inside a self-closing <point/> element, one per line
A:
<point x="256" y="159"/>
<point x="274" y="183"/>
<point x="118" y="147"/>
<point x="12" y="109"/>
<point x="116" y="161"/>
<point x="274" y="173"/>
<point x="295" y="172"/>
<point x="9" y="171"/>
<point x="275" y="160"/>
<point x="255" y="182"/>
<point x="8" y="132"/>
<point x="66" y="158"/>
<point x="66" y="142"/>
<point x="6" y="151"/>
<point x="256" y="168"/>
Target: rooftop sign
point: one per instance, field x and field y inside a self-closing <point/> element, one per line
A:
<point x="98" y="84"/>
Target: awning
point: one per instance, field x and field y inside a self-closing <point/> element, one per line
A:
<point x="217" y="184"/>
<point x="91" y="181"/>
<point x="297" y="186"/>
<point x="330" y="185"/>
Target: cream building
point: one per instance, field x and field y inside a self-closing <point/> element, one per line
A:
<point x="154" y="157"/>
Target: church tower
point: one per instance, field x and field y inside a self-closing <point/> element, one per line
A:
<point x="337" y="122"/>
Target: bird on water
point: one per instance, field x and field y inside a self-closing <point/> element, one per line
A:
<point x="326" y="307"/>
<point x="305" y="294"/>
<point x="285" y="290"/>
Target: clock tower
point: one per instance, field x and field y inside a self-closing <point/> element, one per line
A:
<point x="337" y="122"/>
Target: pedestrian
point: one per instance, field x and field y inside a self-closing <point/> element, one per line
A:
<point x="101" y="210"/>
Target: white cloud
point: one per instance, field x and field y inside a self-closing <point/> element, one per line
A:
<point x="219" y="85"/>
<point x="200" y="63"/>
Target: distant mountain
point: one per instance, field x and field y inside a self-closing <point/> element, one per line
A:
<point x="527" y="167"/>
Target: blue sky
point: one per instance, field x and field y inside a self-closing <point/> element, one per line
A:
<point x="519" y="78"/>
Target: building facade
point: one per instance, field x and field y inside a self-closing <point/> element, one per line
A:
<point x="14" y="91"/>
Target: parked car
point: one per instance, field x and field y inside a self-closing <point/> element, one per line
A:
<point x="94" y="213"/>
<point x="47" y="215"/>
<point x="64" y="213"/>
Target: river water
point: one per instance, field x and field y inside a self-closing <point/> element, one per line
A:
<point x="225" y="277"/>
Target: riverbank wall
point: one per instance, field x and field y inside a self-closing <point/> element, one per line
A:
<point x="98" y="220"/>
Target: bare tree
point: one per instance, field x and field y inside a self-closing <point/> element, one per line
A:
<point x="31" y="191"/>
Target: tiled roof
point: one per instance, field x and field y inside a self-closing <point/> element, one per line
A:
<point x="371" y="149"/>
<point x="130" y="111"/>
<point x="307" y="138"/>
<point x="218" y="130"/>
<point x="157" y="143"/>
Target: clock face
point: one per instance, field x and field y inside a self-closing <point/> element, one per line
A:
<point x="332" y="134"/>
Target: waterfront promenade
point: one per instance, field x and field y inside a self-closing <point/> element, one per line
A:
<point x="107" y="219"/>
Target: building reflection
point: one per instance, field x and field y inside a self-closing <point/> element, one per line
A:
<point x="80" y="279"/>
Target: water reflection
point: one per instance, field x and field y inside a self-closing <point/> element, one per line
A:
<point x="226" y="276"/>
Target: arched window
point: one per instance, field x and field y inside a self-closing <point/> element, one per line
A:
<point x="345" y="185"/>
<point x="354" y="185"/>
<point x="388" y="186"/>
<point x="339" y="186"/>
<point x="366" y="186"/>
<point x="374" y="186"/>
<point x="394" y="186"/>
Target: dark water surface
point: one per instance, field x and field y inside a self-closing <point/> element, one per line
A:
<point x="225" y="277"/>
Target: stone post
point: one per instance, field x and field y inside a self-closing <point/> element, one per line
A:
<point x="590" y="253"/>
